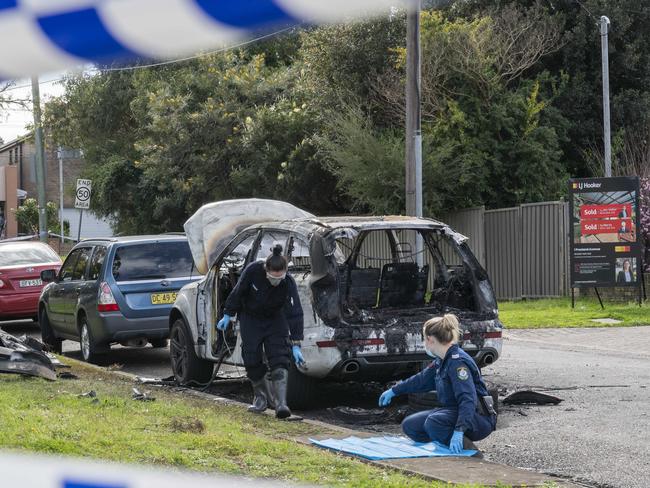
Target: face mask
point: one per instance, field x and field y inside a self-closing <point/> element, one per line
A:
<point x="429" y="353"/>
<point x="275" y="280"/>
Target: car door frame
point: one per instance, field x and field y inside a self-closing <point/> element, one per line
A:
<point x="55" y="300"/>
<point x="72" y="291"/>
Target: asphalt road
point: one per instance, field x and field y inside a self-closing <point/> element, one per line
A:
<point x="597" y="435"/>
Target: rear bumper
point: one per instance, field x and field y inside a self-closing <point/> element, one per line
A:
<point x="115" y="327"/>
<point x="19" y="305"/>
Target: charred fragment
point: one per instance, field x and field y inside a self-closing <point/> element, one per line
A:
<point x="16" y="357"/>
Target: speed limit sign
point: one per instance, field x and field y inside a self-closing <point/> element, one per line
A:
<point x="82" y="199"/>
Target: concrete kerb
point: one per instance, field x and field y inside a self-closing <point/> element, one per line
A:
<point x="453" y="470"/>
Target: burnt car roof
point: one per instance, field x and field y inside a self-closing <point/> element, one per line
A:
<point x="327" y="224"/>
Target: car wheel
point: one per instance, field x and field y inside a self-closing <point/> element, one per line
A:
<point x="158" y="343"/>
<point x="302" y="390"/>
<point x="89" y="349"/>
<point x="47" y="334"/>
<point x="188" y="368"/>
<point x="423" y="401"/>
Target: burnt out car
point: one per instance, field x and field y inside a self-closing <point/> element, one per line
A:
<point x="365" y="289"/>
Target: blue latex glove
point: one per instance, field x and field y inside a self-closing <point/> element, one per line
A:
<point x="297" y="355"/>
<point x="386" y="397"/>
<point x="223" y="323"/>
<point x="456" y="444"/>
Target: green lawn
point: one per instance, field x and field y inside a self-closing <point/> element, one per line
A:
<point x="175" y="431"/>
<point x="531" y="314"/>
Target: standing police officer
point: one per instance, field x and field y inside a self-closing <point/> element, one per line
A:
<point x="467" y="409"/>
<point x="271" y="323"/>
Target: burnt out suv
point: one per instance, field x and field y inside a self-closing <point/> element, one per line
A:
<point x="365" y="289"/>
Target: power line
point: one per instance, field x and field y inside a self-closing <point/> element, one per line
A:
<point x="164" y="63"/>
<point x="584" y="7"/>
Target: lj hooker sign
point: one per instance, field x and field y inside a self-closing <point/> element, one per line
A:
<point x="605" y="245"/>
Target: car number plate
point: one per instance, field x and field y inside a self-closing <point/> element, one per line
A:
<point x="27" y="283"/>
<point x="163" y="298"/>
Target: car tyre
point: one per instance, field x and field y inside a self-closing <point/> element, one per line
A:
<point x="89" y="348"/>
<point x="302" y="390"/>
<point x="187" y="367"/>
<point x="423" y="401"/>
<point x="158" y="343"/>
<point x="47" y="334"/>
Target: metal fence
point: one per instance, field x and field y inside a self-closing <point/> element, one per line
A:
<point x="524" y="247"/>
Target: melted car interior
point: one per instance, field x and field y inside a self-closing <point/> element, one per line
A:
<point x="381" y="269"/>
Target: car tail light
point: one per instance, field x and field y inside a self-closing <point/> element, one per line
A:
<point x="106" y="301"/>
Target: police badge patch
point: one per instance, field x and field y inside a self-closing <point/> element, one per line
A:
<point x="462" y="373"/>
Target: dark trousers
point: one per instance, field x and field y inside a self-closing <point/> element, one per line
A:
<point x="262" y="337"/>
<point x="438" y="425"/>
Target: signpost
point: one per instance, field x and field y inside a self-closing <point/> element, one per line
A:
<point x="82" y="200"/>
<point x="606" y="247"/>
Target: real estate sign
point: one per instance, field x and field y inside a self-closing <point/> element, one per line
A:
<point x="605" y="232"/>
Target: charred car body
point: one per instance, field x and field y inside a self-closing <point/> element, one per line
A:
<point x="364" y="288"/>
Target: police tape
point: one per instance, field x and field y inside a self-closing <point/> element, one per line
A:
<point x="27" y="471"/>
<point x="40" y="36"/>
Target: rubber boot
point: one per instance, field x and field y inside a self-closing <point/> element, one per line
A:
<point x="268" y="385"/>
<point x="260" y="398"/>
<point x="280" y="379"/>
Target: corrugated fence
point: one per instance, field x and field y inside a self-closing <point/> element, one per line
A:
<point x="524" y="247"/>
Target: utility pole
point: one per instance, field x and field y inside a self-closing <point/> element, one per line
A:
<point x="60" y="157"/>
<point x="40" y="160"/>
<point x="413" y="119"/>
<point x="604" y="41"/>
<point x="413" y="124"/>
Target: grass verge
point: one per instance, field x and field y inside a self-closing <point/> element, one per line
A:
<point x="174" y="431"/>
<point x="556" y="313"/>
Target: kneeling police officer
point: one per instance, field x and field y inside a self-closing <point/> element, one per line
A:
<point x="467" y="409"/>
<point x="271" y="323"/>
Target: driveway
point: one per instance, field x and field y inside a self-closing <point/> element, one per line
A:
<point x="599" y="433"/>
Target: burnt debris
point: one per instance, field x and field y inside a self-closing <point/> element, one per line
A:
<point x="25" y="357"/>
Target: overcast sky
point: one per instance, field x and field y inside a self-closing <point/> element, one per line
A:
<point x="14" y="120"/>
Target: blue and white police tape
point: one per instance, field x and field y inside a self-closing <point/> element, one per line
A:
<point x="26" y="471"/>
<point x="41" y="36"/>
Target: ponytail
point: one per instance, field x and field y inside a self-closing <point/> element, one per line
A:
<point x="276" y="261"/>
<point x="445" y="329"/>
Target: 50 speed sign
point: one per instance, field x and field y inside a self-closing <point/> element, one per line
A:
<point x="82" y="195"/>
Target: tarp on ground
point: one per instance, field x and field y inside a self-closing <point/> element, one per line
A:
<point x="386" y="447"/>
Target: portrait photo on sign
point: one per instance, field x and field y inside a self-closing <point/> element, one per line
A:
<point x="604" y="217"/>
<point x="625" y="270"/>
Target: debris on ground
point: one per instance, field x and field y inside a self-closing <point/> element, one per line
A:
<point x="169" y="381"/>
<point x="67" y="375"/>
<point x="115" y="367"/>
<point x="363" y="416"/>
<point x="25" y="357"/>
<point x="530" y="397"/>
<point x="142" y="397"/>
<point x="88" y="394"/>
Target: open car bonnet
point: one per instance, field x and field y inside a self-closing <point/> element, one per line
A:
<point x="214" y="225"/>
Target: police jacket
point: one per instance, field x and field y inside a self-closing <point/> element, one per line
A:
<point x="457" y="382"/>
<point x="255" y="296"/>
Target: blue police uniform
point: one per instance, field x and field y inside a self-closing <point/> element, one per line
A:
<point x="269" y="316"/>
<point x="458" y="384"/>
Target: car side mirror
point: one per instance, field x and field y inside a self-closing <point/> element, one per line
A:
<point x="48" y="275"/>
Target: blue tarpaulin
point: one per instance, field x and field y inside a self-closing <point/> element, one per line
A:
<point x="387" y="447"/>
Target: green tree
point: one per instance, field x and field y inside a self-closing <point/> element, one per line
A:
<point x="27" y="217"/>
